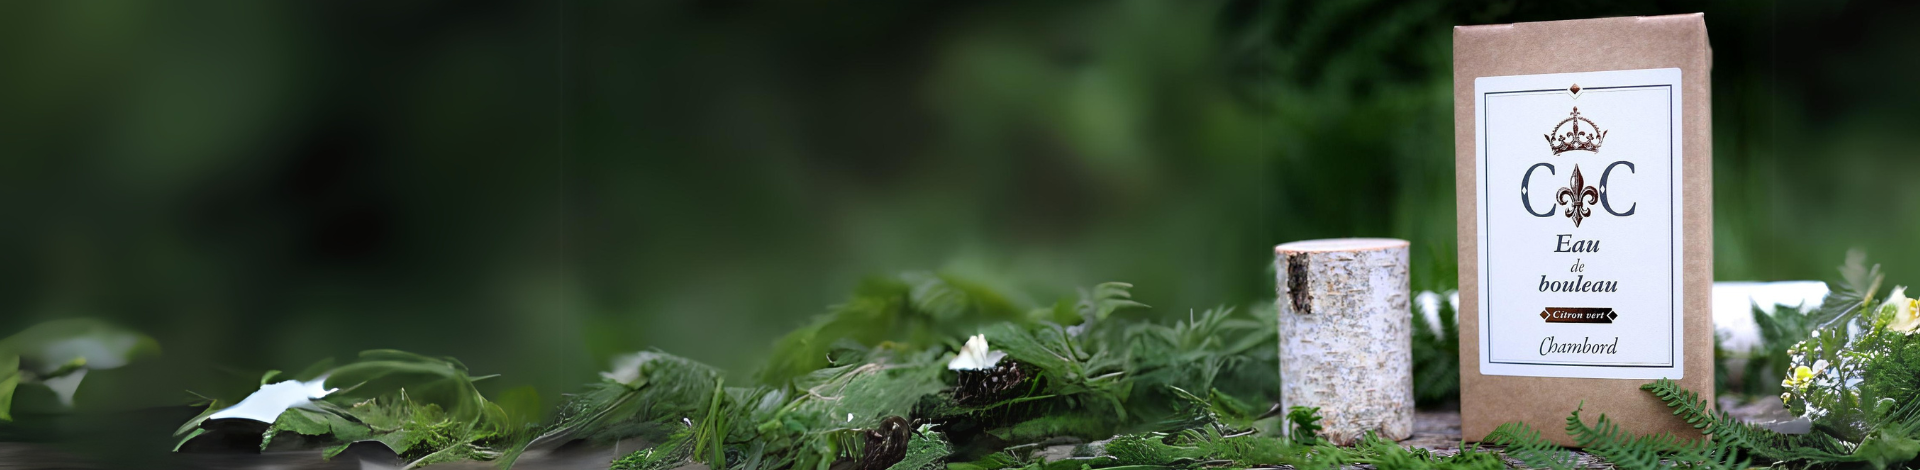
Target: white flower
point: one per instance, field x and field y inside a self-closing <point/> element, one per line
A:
<point x="1906" y="313"/>
<point x="975" y="355"/>
<point x="267" y="404"/>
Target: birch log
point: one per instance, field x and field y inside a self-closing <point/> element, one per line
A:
<point x="1346" y="343"/>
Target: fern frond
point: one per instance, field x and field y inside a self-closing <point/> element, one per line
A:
<point x="1653" y="451"/>
<point x="1305" y="425"/>
<point x="1755" y="441"/>
<point x="1714" y="455"/>
<point x="1523" y="443"/>
<point x="1107" y="298"/>
<point x="1622" y="449"/>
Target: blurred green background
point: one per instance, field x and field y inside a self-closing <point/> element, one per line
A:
<point x="534" y="186"/>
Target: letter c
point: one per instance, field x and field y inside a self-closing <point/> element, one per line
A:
<point x="1604" y="193"/>
<point x="1523" y="189"/>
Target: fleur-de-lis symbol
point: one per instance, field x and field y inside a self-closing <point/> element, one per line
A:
<point x="1581" y="196"/>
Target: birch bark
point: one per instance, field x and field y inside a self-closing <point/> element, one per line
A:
<point x="1346" y="343"/>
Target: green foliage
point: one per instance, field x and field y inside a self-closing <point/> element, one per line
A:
<point x="645" y="395"/>
<point x="1106" y="298"/>
<point x="1207" y="449"/>
<point x="1523" y="443"/>
<point x="710" y="436"/>
<point x="1621" y="449"/>
<point x="1101" y="373"/>
<point x="62" y="348"/>
<point x="915" y="310"/>
<point x="442" y="381"/>
<point x="927" y="451"/>
<point x="1177" y="394"/>
<point x="1853" y="378"/>
<point x="1385" y="454"/>
<point x="1885" y="450"/>
<point x="1436" y="357"/>
<point x="1778" y="333"/>
<point x="1149" y="449"/>
<point x="1605" y="439"/>
<point x="1890" y="368"/>
<point x="1849" y="374"/>
<point x="1304" y="425"/>
<point x="1043" y="427"/>
<point x="1755" y="441"/>
<point x="1126" y="383"/>
<point x="674" y="452"/>
<point x="9" y="379"/>
<point x="814" y="419"/>
<point x="424" y="408"/>
<point x="1855" y="291"/>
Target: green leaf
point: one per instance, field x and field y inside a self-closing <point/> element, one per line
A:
<point x="195" y="432"/>
<point x="668" y="388"/>
<point x="1855" y="291"/>
<point x="1106" y="298"/>
<point x="1765" y="443"/>
<point x="1436" y="356"/>
<point x="425" y="409"/>
<point x="1617" y="446"/>
<point x="1885" y="450"/>
<point x="307" y="422"/>
<point x="1607" y="440"/>
<point x="296" y="421"/>
<point x="914" y="310"/>
<point x="304" y="422"/>
<point x="1044" y="427"/>
<point x="1305" y="424"/>
<point x="59" y="347"/>
<point x="189" y="430"/>
<point x="925" y="451"/>
<point x="9" y="380"/>
<point x="440" y="381"/>
<point x="1525" y="444"/>
<point x="675" y="452"/>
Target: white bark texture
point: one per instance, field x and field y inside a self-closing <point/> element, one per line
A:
<point x="1346" y="343"/>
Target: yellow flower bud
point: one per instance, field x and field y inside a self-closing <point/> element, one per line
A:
<point x="1799" y="378"/>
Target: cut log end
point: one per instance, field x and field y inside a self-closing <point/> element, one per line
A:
<point x="1339" y="244"/>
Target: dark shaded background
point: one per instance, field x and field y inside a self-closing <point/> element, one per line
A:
<point x="535" y="186"/>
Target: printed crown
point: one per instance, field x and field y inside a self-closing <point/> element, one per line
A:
<point x="1576" y="138"/>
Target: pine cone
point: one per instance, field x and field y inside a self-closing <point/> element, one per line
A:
<point x="979" y="387"/>
<point x="886" y="444"/>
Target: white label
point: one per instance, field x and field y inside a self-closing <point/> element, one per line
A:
<point x="1579" y="202"/>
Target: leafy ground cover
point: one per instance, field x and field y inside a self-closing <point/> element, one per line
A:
<point x="923" y="371"/>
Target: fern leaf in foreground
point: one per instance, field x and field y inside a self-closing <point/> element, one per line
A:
<point x="1756" y="441"/>
<point x="1620" y="448"/>
<point x="1523" y="443"/>
<point x="1653" y="451"/>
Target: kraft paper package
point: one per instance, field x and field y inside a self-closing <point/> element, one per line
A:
<point x="1583" y="154"/>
